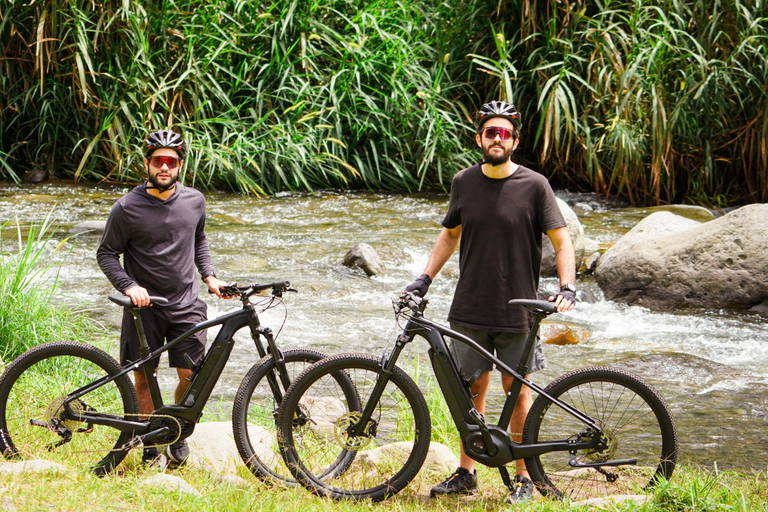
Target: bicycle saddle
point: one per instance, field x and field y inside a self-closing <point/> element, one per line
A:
<point x="125" y="300"/>
<point x="543" y="306"/>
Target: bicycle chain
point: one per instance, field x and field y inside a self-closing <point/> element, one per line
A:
<point x="143" y="416"/>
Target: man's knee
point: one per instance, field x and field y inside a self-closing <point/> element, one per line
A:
<point x="480" y="385"/>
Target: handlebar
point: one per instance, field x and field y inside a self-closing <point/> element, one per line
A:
<point x="243" y="292"/>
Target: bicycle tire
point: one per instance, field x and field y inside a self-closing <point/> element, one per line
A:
<point x="254" y="414"/>
<point x="386" y="458"/>
<point x="33" y="388"/>
<point x="636" y="422"/>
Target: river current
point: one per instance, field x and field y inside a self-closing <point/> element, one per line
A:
<point x="710" y="366"/>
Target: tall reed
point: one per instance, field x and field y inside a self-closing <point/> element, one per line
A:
<point x="655" y="100"/>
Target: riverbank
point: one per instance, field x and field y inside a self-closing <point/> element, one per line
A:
<point x="691" y="489"/>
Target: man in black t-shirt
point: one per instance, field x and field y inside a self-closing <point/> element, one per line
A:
<point x="159" y="229"/>
<point x="498" y="211"/>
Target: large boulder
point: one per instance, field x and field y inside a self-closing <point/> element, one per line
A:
<point x="575" y="229"/>
<point x="365" y="257"/>
<point x="668" y="261"/>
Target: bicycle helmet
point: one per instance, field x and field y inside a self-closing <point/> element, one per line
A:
<point x="165" y="139"/>
<point x="499" y="109"/>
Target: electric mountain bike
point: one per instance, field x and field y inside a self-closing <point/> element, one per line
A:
<point x="592" y="431"/>
<point x="72" y="402"/>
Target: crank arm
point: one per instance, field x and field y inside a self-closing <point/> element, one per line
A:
<point x="611" y="463"/>
<point x="149" y="436"/>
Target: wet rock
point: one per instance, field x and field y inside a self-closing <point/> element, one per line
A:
<point x="36" y="176"/>
<point x="32" y="466"/>
<point x="171" y="483"/>
<point x="668" y="262"/>
<point x="95" y="226"/>
<point x="589" y="264"/>
<point x="575" y="229"/>
<point x="562" y="334"/>
<point x="692" y="212"/>
<point x="365" y="257"/>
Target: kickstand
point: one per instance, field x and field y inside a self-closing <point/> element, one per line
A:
<point x="505" y="477"/>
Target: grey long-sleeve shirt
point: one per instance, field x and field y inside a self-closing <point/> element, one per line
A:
<point x="162" y="242"/>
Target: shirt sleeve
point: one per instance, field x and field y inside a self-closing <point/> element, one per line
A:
<point x="549" y="212"/>
<point x="452" y="218"/>
<point x="202" y="250"/>
<point x="113" y="242"/>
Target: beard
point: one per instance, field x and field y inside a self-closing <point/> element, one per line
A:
<point x="160" y="187"/>
<point x="496" y="158"/>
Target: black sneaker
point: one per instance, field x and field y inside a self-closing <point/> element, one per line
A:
<point x="178" y="452"/>
<point x="522" y="490"/>
<point x="152" y="458"/>
<point x="460" y="482"/>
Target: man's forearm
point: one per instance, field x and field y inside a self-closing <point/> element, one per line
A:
<point x="445" y="246"/>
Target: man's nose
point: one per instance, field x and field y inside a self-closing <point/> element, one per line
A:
<point x="165" y="167"/>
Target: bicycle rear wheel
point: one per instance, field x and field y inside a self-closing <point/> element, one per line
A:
<point x="255" y="409"/>
<point x="636" y="425"/>
<point x="33" y="422"/>
<point x="386" y="456"/>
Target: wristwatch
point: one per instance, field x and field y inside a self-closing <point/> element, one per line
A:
<point x="568" y="288"/>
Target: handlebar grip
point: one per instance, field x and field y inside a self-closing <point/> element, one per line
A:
<point x="540" y="305"/>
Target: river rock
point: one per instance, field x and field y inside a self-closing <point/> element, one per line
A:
<point x="95" y="226"/>
<point x="668" y="261"/>
<point x="171" y="483"/>
<point x="212" y="447"/>
<point x="32" y="466"/>
<point x="440" y="459"/>
<point x="575" y="229"/>
<point x="365" y="257"/>
<point x="562" y="334"/>
<point x="36" y="176"/>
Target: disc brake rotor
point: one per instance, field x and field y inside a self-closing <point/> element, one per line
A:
<point x="353" y="443"/>
<point x="605" y="449"/>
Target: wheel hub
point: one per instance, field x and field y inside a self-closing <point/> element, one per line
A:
<point x="56" y="413"/>
<point x="356" y="443"/>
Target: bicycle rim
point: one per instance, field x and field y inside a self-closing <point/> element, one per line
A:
<point x="33" y="422"/>
<point x="255" y="412"/>
<point x="386" y="456"/>
<point x="636" y="424"/>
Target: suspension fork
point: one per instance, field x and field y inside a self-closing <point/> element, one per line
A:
<point x="387" y="366"/>
<point x="277" y="355"/>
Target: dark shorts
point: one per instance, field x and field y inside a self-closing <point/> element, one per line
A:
<point x="507" y="346"/>
<point x="162" y="325"/>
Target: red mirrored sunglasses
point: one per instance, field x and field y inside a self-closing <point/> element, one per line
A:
<point x="491" y="132"/>
<point x="157" y="161"/>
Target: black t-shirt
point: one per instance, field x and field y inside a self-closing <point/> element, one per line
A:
<point x="502" y="221"/>
<point x="162" y="242"/>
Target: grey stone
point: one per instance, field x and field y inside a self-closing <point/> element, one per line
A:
<point x="96" y="226"/>
<point x="697" y="213"/>
<point x="590" y="263"/>
<point x="610" y="502"/>
<point x="212" y="447"/>
<point x="575" y="229"/>
<point x="365" y="257"/>
<point x="169" y="482"/>
<point x="440" y="459"/>
<point x="668" y="262"/>
<point x="32" y="466"/>
<point x="36" y="176"/>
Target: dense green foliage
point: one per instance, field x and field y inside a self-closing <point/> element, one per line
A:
<point x="657" y="100"/>
<point x="28" y="282"/>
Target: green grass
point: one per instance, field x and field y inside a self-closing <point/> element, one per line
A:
<point x="691" y="490"/>
<point x="28" y="285"/>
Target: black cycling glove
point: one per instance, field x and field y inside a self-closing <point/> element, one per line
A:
<point x="420" y="286"/>
<point x="566" y="294"/>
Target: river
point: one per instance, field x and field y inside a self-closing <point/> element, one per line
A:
<point x="711" y="366"/>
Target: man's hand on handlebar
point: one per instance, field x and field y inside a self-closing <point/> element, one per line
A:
<point x="215" y="286"/>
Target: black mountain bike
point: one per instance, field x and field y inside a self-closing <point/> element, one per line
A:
<point x="593" y="431"/>
<point x="72" y="402"/>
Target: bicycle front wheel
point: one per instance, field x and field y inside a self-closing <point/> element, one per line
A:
<point x="638" y="444"/>
<point x="33" y="420"/>
<point x="387" y="454"/>
<point x="255" y="412"/>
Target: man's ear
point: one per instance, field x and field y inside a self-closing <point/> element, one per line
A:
<point x="478" y="140"/>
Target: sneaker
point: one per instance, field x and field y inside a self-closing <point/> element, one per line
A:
<point x="152" y="458"/>
<point x="460" y="482"/>
<point x="178" y="452"/>
<point x="522" y="490"/>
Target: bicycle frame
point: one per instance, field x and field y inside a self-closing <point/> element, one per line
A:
<point x="204" y="377"/>
<point x="490" y="445"/>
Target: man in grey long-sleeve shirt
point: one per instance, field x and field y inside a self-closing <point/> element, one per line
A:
<point x="159" y="228"/>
